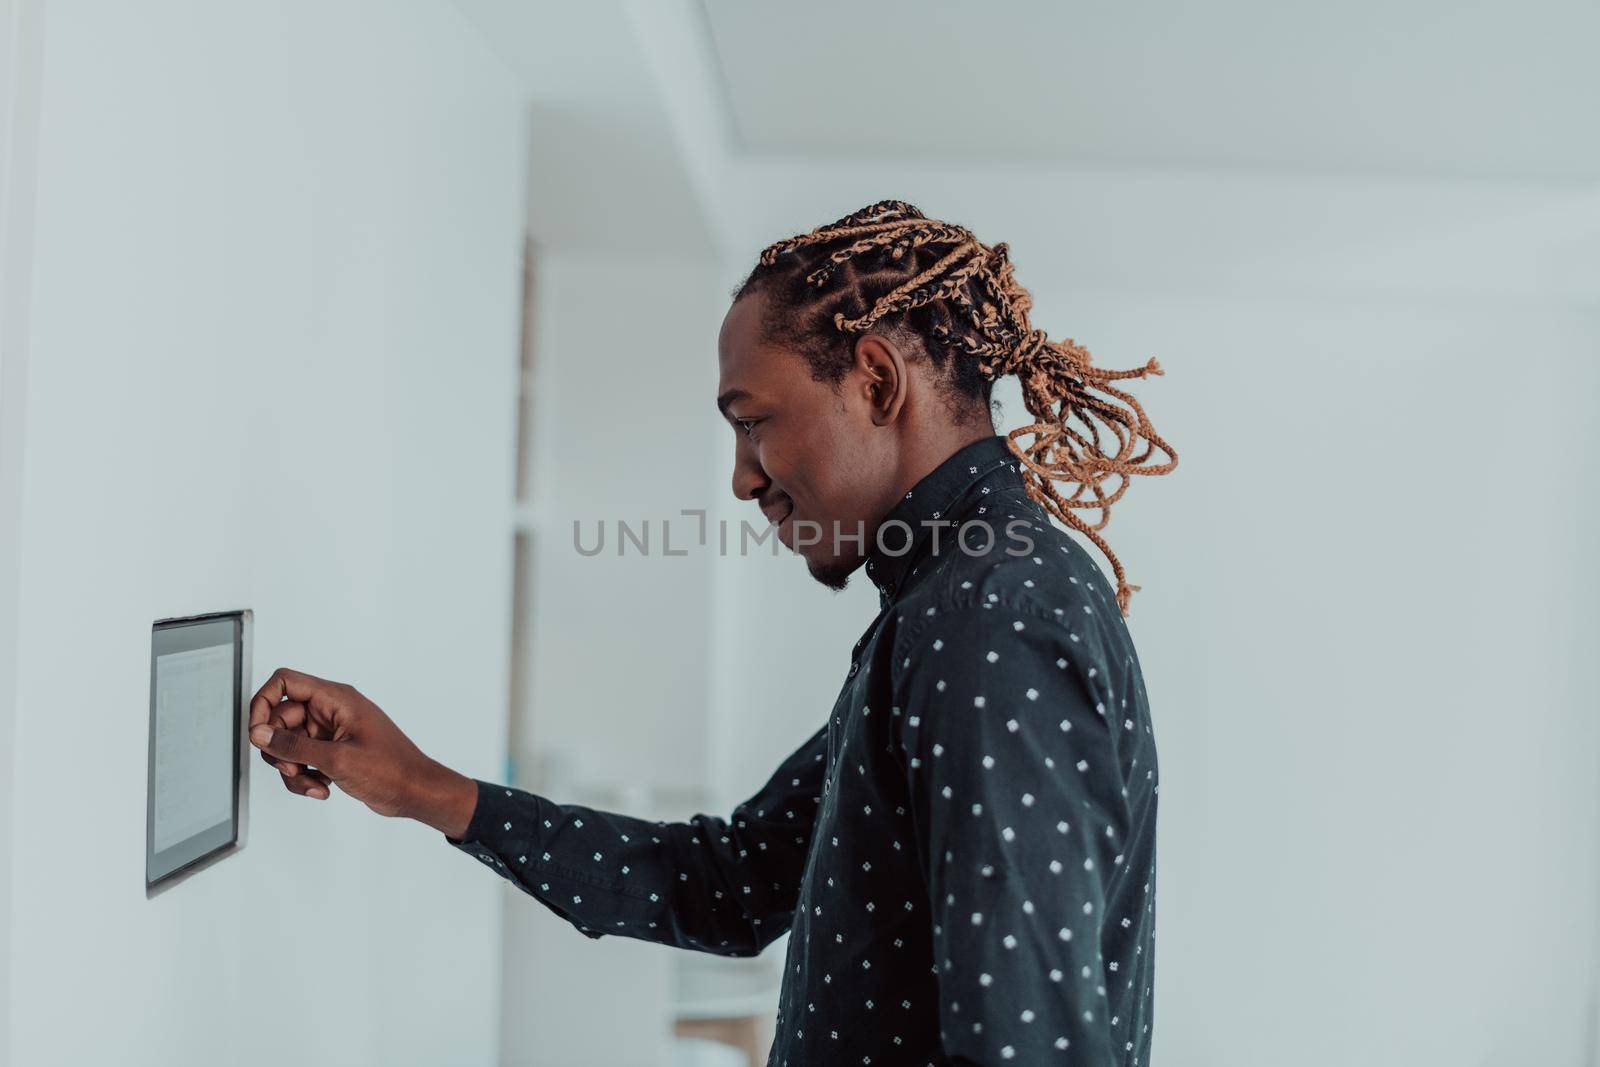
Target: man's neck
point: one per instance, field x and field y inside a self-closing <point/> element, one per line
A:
<point x="925" y="457"/>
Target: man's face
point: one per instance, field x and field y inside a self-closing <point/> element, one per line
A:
<point x="807" y="452"/>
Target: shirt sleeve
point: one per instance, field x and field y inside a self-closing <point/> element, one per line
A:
<point x="1019" y="809"/>
<point x="725" y="886"/>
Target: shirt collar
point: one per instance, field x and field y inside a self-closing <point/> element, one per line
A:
<point x="943" y="496"/>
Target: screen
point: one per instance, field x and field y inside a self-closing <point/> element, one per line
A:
<point x="196" y="709"/>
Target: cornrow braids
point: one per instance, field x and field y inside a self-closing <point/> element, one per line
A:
<point x="889" y="267"/>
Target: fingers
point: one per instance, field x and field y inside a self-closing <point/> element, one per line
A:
<point x="286" y="725"/>
<point x="297" y="778"/>
<point x="289" y="715"/>
<point x="296" y="747"/>
<point x="307" y="783"/>
<point x="287" y="684"/>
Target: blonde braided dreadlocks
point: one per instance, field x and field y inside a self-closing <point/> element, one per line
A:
<point x="888" y="266"/>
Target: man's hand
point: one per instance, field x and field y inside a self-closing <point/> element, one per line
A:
<point x="318" y="733"/>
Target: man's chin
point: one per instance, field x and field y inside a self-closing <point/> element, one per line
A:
<point x="833" y="572"/>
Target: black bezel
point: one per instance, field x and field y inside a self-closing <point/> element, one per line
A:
<point x="184" y="858"/>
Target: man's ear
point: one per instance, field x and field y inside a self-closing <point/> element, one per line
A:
<point x="883" y="375"/>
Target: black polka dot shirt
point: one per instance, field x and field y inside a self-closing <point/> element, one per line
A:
<point x="963" y="854"/>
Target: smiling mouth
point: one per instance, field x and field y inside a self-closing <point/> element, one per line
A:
<point x="778" y="514"/>
<point x="777" y="508"/>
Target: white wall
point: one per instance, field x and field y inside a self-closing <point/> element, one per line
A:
<point x="271" y="365"/>
<point x="21" y="29"/>
<point x="625" y="430"/>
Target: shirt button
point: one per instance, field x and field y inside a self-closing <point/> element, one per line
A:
<point x="854" y="666"/>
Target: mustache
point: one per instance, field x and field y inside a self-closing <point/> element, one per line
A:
<point x="773" y="501"/>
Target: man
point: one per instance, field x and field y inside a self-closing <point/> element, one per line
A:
<point x="963" y="853"/>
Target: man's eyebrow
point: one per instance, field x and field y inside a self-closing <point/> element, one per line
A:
<point x="728" y="398"/>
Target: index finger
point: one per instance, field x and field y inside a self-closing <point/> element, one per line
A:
<point x="284" y="683"/>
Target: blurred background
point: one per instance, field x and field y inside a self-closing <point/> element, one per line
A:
<point x="346" y="311"/>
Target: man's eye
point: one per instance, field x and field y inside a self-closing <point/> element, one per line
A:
<point x="745" y="425"/>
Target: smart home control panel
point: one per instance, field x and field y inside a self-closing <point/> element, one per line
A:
<point x="199" y="713"/>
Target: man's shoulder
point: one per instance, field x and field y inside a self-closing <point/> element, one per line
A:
<point x="1028" y="563"/>
<point x="1032" y="573"/>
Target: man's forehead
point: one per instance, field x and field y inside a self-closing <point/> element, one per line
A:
<point x="729" y="340"/>
<point x="745" y="358"/>
<point x="758" y="372"/>
<point x="741" y="327"/>
<point x="741" y="381"/>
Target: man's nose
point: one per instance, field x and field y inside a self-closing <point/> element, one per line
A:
<point x="749" y="480"/>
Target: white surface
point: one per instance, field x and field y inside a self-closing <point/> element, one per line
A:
<point x="693" y="1052"/>
<point x="196" y="709"/>
<point x="572" y="1001"/>
<point x="1426" y="88"/>
<point x="607" y="175"/>
<point x="20" y="49"/>
<point x="281" y="241"/>
<point x="626" y="431"/>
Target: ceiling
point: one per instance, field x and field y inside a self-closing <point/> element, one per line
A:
<point x="1423" y="88"/>
<point x="1433" y="149"/>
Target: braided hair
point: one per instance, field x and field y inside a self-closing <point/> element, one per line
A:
<point x="889" y="267"/>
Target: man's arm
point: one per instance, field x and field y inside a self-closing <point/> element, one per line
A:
<point x="726" y="886"/>
<point x="1017" y="799"/>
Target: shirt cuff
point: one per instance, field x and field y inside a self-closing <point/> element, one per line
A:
<point x="502" y="819"/>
